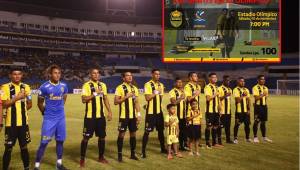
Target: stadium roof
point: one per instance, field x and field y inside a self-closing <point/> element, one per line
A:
<point x="93" y="10"/>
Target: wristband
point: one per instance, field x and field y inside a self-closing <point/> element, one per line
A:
<point x="139" y="114"/>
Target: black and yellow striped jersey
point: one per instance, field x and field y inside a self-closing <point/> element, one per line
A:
<point x="127" y="108"/>
<point x="239" y="92"/>
<point x="154" y="105"/>
<point x="226" y="102"/>
<point x="212" y="105"/>
<point x="95" y="107"/>
<point x="196" y="120"/>
<point x="17" y="113"/>
<point x="189" y="90"/>
<point x="258" y="90"/>
<point x="171" y="129"/>
<point x="180" y="107"/>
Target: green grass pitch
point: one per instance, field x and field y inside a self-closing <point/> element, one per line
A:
<point x="283" y="128"/>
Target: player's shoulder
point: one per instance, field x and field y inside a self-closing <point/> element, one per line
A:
<point x="63" y="84"/>
<point x="102" y="83"/>
<point x="188" y="85"/>
<point x="120" y="86"/>
<point x="45" y="84"/>
<point x="148" y="83"/>
<point x="5" y="85"/>
<point x="235" y="88"/>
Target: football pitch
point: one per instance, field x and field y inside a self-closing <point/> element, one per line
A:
<point x="283" y="153"/>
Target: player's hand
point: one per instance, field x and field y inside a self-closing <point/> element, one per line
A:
<point x="128" y="95"/>
<point x="228" y="94"/>
<point x="109" y="116"/>
<point x="182" y="96"/>
<point x="197" y="92"/>
<point x="139" y="119"/>
<point x="1" y="129"/>
<point x="20" y="95"/>
<point x="99" y="91"/>
<point x="248" y="113"/>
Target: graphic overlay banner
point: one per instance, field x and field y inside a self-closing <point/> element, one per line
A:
<point x="221" y="31"/>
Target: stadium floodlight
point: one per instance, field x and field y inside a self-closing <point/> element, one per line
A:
<point x="132" y="34"/>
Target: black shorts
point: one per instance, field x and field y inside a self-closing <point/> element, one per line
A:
<point x="97" y="125"/>
<point x="154" y="121"/>
<point x="19" y="132"/>
<point x="225" y="120"/>
<point x="194" y="132"/>
<point x="212" y="119"/>
<point x="260" y="113"/>
<point x="242" y="118"/>
<point x="130" y="123"/>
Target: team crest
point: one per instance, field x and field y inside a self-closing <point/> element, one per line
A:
<point x="62" y="89"/>
<point x="176" y="18"/>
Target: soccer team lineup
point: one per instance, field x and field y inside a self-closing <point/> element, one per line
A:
<point x="179" y="127"/>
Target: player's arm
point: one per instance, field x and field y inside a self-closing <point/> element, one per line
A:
<point x="1" y="115"/>
<point x="177" y="130"/>
<point x="65" y="98"/>
<point x="9" y="102"/>
<point x="209" y="95"/>
<point x="138" y="109"/>
<point x="29" y="98"/>
<point x="107" y="106"/>
<point x="40" y="104"/>
<point x="86" y="99"/>
<point x="189" y="94"/>
<point x="28" y="104"/>
<point x="256" y="94"/>
<point x="120" y="97"/>
<point x="149" y="95"/>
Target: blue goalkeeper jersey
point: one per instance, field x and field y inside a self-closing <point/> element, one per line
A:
<point x="54" y="99"/>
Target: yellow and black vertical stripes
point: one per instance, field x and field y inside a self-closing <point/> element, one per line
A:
<point x="16" y="113"/>
<point x="127" y="108"/>
<point x="241" y="107"/>
<point x="189" y="91"/>
<point x="154" y="105"/>
<point x="257" y="91"/>
<point x="176" y="93"/>
<point x="95" y="107"/>
<point x="212" y="105"/>
<point x="226" y="102"/>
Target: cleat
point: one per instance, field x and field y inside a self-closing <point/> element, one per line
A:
<point x="103" y="160"/>
<point x="133" y="157"/>
<point x="265" y="139"/>
<point x="179" y="155"/>
<point x="170" y="157"/>
<point x="82" y="163"/>
<point x="249" y="140"/>
<point x="256" y="140"/>
<point x="235" y="141"/>
<point x="120" y="158"/>
<point x="60" y="167"/>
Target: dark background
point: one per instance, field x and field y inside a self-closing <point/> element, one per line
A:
<point x="152" y="8"/>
